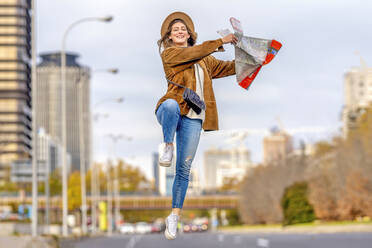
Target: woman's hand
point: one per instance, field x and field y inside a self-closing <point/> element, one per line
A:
<point x="230" y="38"/>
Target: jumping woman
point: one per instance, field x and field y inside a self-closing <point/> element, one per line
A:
<point x="191" y="66"/>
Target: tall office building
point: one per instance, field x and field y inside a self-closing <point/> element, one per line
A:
<point x="222" y="163"/>
<point x="15" y="83"/>
<point x="49" y="106"/>
<point x="277" y="146"/>
<point x="357" y="94"/>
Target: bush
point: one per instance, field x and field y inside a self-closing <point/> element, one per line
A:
<point x="295" y="205"/>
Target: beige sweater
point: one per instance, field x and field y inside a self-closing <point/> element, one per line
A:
<point x="199" y="90"/>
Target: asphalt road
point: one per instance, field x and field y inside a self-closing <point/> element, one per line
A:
<point x="216" y="240"/>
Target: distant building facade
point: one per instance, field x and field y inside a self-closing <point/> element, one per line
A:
<point x="222" y="163"/>
<point x="166" y="178"/>
<point x="15" y="83"/>
<point x="165" y="175"/>
<point x="49" y="158"/>
<point x="357" y="94"/>
<point x="49" y="108"/>
<point x="195" y="187"/>
<point x="277" y="146"/>
<point x="155" y="170"/>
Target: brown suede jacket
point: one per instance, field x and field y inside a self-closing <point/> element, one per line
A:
<point x="178" y="66"/>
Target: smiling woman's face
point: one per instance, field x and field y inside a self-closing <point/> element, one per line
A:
<point x="179" y="34"/>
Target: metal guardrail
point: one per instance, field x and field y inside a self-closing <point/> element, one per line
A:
<point x="133" y="202"/>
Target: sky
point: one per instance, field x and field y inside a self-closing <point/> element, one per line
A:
<point x="301" y="88"/>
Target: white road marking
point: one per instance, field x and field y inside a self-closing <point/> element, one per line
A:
<point x="221" y="237"/>
<point x="263" y="243"/>
<point x="133" y="241"/>
<point x="237" y="240"/>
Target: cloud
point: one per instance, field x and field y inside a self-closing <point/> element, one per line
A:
<point x="303" y="85"/>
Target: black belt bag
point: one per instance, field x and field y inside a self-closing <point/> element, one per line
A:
<point x="191" y="98"/>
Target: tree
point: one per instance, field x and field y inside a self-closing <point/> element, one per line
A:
<point x="341" y="186"/>
<point x="9" y="187"/>
<point x="130" y="178"/>
<point x="263" y="187"/>
<point x="74" y="191"/>
<point x="230" y="184"/>
<point x="295" y="205"/>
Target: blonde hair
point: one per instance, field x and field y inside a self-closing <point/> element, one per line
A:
<point x="165" y="42"/>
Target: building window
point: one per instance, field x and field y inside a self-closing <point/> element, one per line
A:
<point x="12" y="53"/>
<point x="12" y="10"/>
<point x="12" y="76"/>
<point x="13" y="30"/>
<point x="13" y="20"/>
<point x="13" y="40"/>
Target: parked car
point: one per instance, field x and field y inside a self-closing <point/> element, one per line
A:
<point x="157" y="227"/>
<point x="187" y="228"/>
<point x="142" y="228"/>
<point x="127" y="228"/>
<point x="203" y="227"/>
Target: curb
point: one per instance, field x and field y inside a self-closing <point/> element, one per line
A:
<point x="303" y="230"/>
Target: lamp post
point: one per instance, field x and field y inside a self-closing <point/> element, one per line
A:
<point x="82" y="160"/>
<point x="33" y="113"/>
<point x="82" y="146"/>
<point x="109" y="198"/>
<point x="95" y="172"/>
<point x="94" y="178"/>
<point x="64" y="124"/>
<point x="115" y="139"/>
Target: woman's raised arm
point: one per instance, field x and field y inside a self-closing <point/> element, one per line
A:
<point x="175" y="56"/>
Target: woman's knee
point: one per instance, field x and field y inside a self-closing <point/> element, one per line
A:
<point x="171" y="105"/>
<point x="183" y="171"/>
<point x="183" y="176"/>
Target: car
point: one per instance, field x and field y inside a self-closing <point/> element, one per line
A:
<point x="187" y="228"/>
<point x="194" y="228"/>
<point x="157" y="227"/>
<point x="126" y="228"/>
<point x="142" y="228"/>
<point x="203" y="227"/>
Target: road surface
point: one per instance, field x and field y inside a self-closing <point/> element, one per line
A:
<point x="216" y="240"/>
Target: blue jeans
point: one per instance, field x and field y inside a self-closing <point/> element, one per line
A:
<point x="188" y="135"/>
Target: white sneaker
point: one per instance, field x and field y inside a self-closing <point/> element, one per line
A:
<point x="165" y="158"/>
<point x="171" y="223"/>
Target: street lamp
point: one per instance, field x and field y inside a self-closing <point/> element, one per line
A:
<point x="115" y="138"/>
<point x="110" y="70"/>
<point x="82" y="146"/>
<point x="33" y="113"/>
<point x="82" y="160"/>
<point x="63" y="103"/>
<point x="94" y="173"/>
<point x="118" y="100"/>
<point x="94" y="178"/>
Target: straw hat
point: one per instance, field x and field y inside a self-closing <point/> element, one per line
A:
<point x="178" y="15"/>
